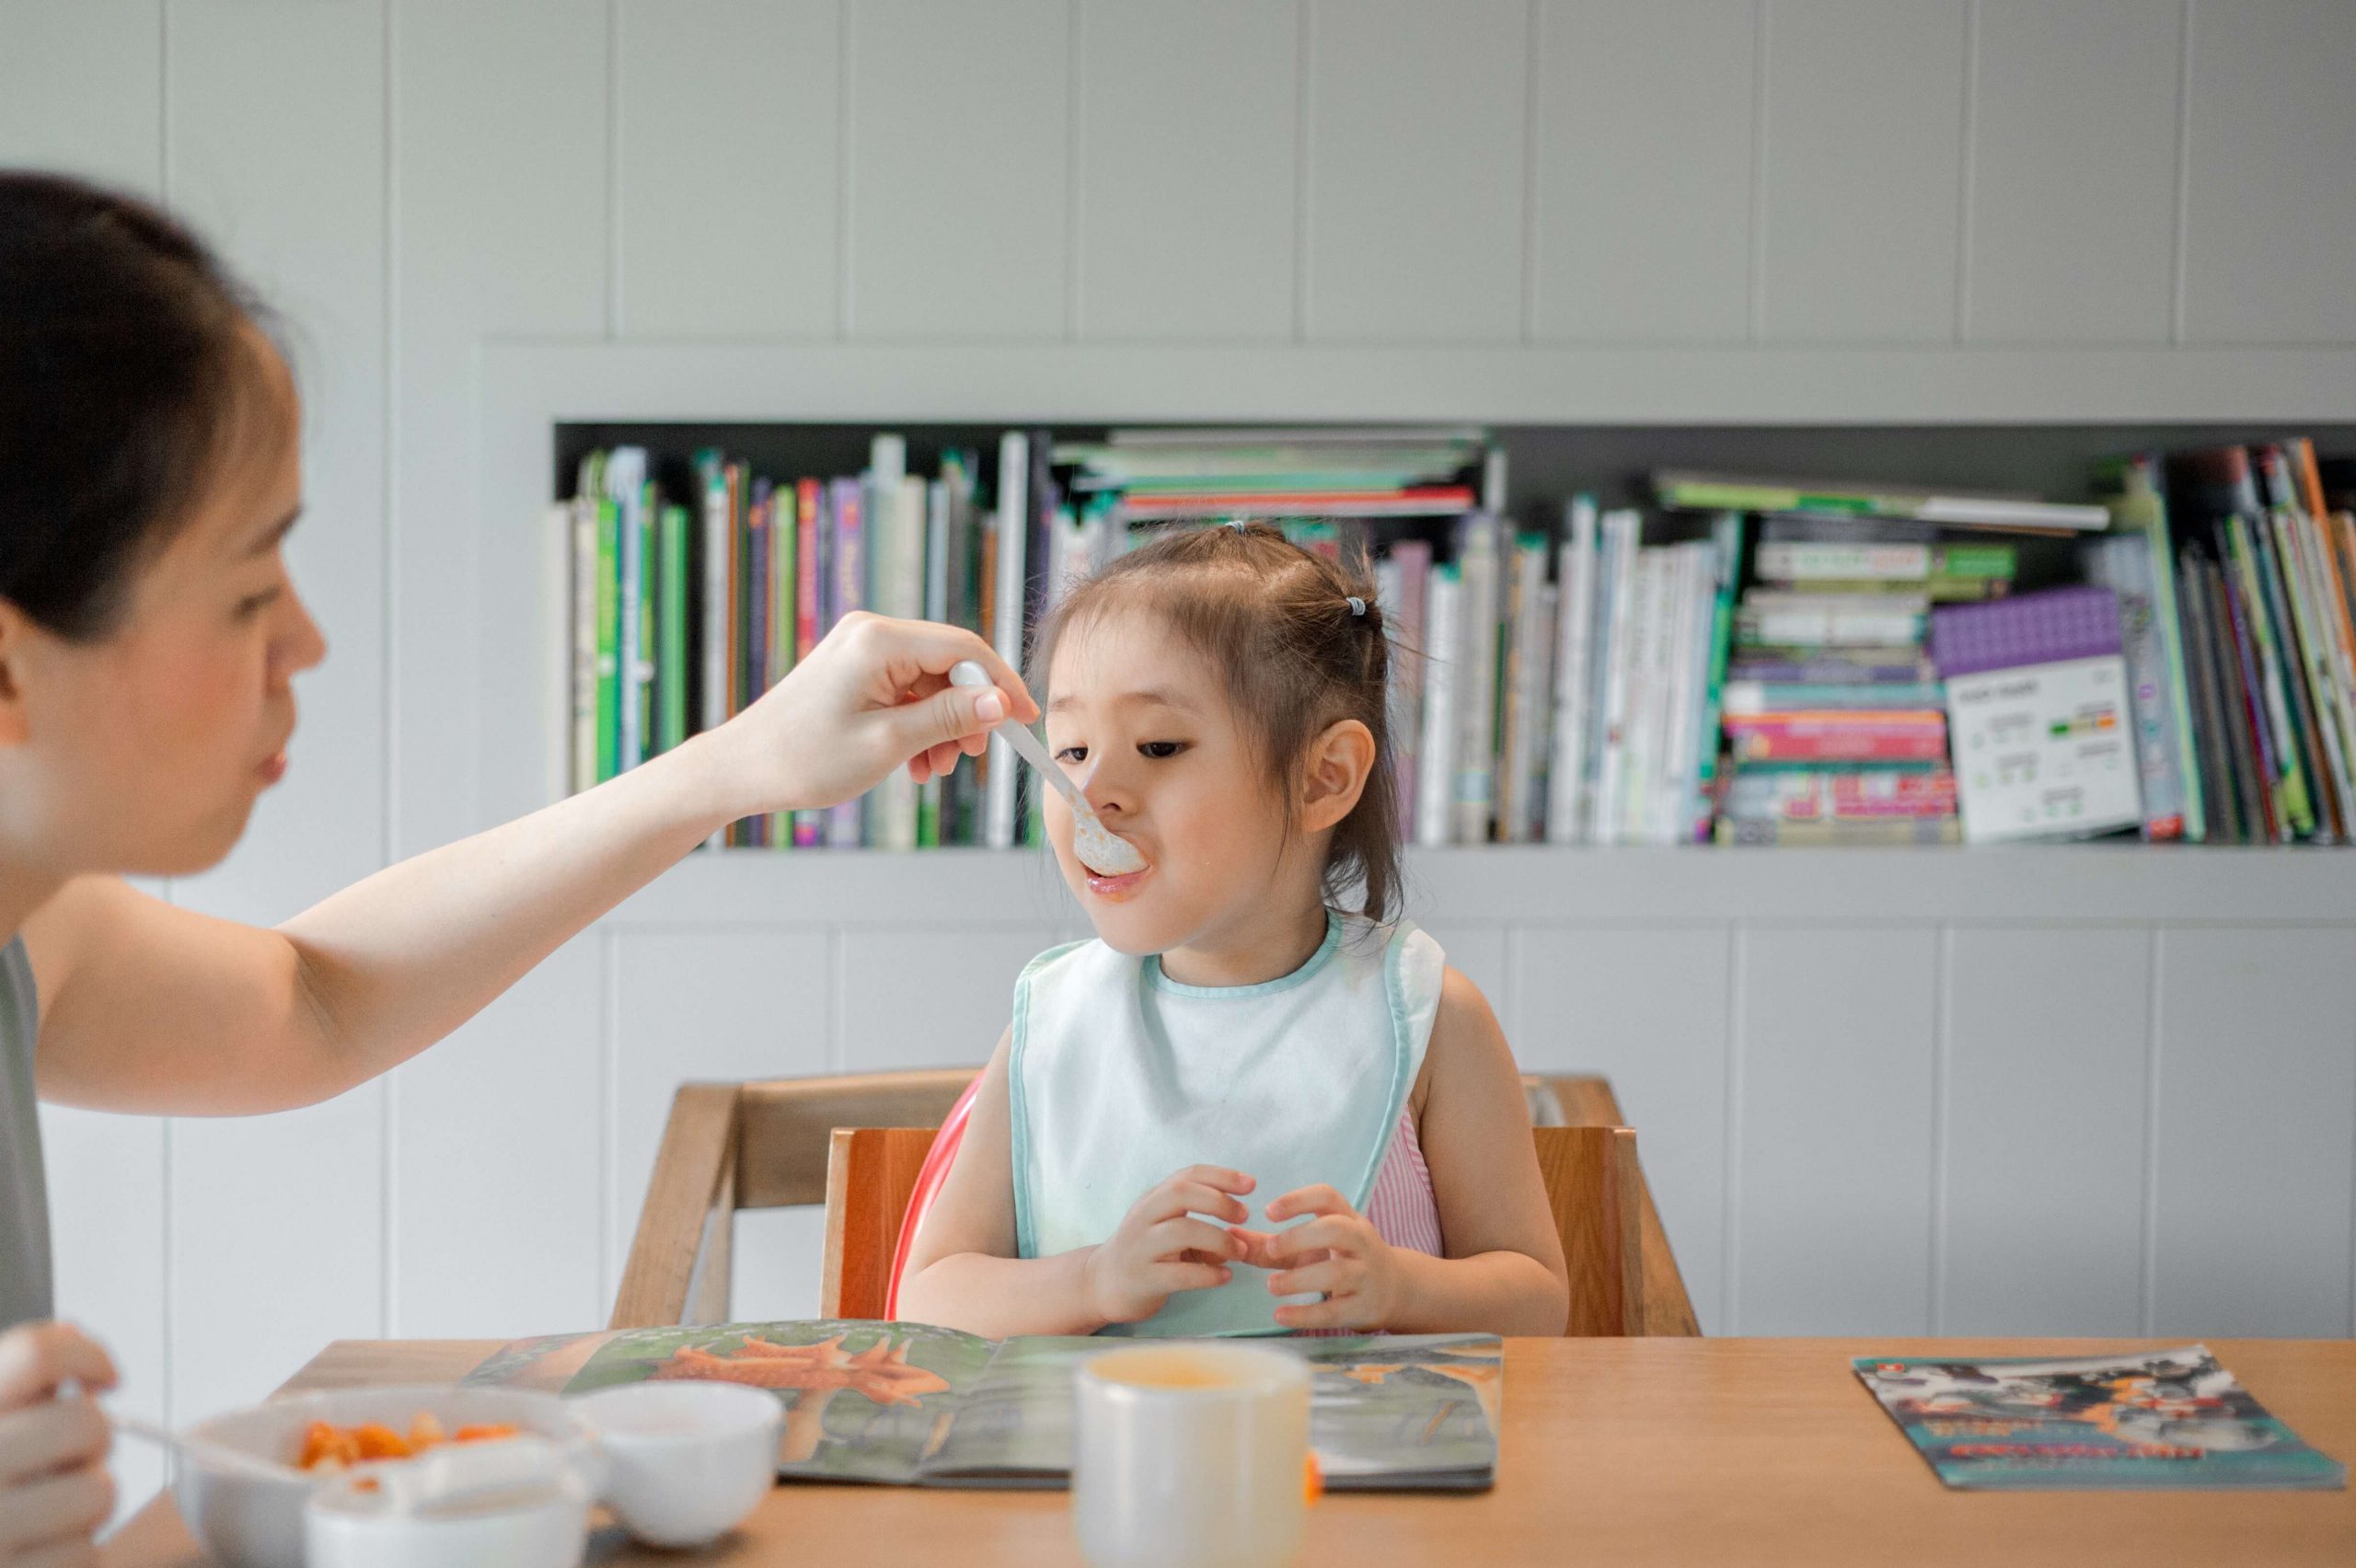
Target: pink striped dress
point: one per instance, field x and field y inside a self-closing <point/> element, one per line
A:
<point x="1401" y="1208"/>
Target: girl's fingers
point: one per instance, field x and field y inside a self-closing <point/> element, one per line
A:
<point x="1318" y="1199"/>
<point x="1175" y="1197"/>
<point x="1174" y="1277"/>
<point x="1334" y="1276"/>
<point x="1341" y="1312"/>
<point x="1334" y="1233"/>
<point x="1217" y="1176"/>
<point x="81" y="1553"/>
<point x="1184" y="1234"/>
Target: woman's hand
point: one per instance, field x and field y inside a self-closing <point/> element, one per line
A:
<point x="1338" y="1253"/>
<point x="871" y="696"/>
<point x="1161" y="1249"/>
<point x="55" y="1493"/>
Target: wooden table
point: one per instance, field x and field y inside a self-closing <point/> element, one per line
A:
<point x="1628" y="1451"/>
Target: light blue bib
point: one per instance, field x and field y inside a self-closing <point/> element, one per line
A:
<point x="1119" y="1076"/>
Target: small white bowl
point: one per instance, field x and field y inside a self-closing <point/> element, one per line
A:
<point x="686" y="1461"/>
<point x="522" y="1514"/>
<point x="256" y="1522"/>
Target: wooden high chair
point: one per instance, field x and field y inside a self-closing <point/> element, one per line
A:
<point x="1591" y="1186"/>
<point x="765" y="1145"/>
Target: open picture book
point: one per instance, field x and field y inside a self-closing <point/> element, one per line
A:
<point x="908" y="1404"/>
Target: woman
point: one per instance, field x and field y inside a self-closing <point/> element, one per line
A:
<point x="149" y="473"/>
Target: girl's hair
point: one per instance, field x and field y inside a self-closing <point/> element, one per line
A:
<point x="1278" y="624"/>
<point x="124" y="376"/>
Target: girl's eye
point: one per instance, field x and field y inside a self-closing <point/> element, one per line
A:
<point x="1161" y="748"/>
<point x="1072" y="753"/>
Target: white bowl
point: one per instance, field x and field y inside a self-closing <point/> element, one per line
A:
<point x="256" y="1522"/>
<point x="535" y="1515"/>
<point x="687" y="1461"/>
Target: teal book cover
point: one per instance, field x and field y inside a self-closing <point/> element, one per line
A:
<point x="2153" y="1420"/>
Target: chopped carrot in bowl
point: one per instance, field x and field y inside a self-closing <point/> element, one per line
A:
<point x="329" y="1447"/>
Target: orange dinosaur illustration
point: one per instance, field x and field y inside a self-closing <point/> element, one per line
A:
<point x="881" y="1374"/>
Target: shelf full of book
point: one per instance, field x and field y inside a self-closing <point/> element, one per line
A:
<point x="2169" y="650"/>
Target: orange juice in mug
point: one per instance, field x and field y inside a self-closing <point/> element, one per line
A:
<point x="1190" y="1455"/>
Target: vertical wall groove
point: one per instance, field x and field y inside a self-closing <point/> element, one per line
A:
<point x="1075" y="31"/>
<point x="846" y="168"/>
<point x="1729" y="1242"/>
<point x="614" y="320"/>
<point x="1303" y="144"/>
<point x="1942" y="1070"/>
<point x="1762" y="16"/>
<point x="1535" y="24"/>
<point x="2151" y="1243"/>
<point x="1966" y="172"/>
<point x="2183" y="173"/>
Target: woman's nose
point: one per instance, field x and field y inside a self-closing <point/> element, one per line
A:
<point x="303" y="645"/>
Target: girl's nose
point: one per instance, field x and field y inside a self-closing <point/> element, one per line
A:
<point x="1106" y="792"/>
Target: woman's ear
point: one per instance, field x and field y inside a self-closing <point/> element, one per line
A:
<point x="1335" y="775"/>
<point x="15" y="638"/>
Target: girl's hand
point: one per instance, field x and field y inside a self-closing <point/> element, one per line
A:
<point x="873" y="697"/>
<point x="1161" y="1249"/>
<point x="1338" y="1253"/>
<point x="55" y="1493"/>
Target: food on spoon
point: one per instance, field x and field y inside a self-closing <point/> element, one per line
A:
<point x="327" y="1447"/>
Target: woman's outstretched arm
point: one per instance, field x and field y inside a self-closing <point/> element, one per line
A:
<point x="150" y="1009"/>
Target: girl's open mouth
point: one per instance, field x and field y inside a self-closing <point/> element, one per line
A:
<point x="1116" y="888"/>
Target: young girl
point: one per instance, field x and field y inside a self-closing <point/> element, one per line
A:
<point x="1232" y="1034"/>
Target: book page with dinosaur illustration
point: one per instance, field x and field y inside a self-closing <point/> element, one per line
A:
<point x="907" y="1403"/>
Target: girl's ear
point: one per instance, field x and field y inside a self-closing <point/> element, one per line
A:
<point x="1334" y="775"/>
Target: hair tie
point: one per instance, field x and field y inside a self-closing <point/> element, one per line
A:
<point x="1237" y="524"/>
<point x="1358" y="606"/>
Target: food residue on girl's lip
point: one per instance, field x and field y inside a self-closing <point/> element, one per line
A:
<point x="1115" y="889"/>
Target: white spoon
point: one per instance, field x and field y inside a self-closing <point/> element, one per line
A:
<point x="1099" y="848"/>
<point x="215" y="1455"/>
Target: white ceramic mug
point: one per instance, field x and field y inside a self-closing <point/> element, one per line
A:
<point x="1190" y="1455"/>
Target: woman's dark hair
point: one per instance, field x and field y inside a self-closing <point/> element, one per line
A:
<point x="1278" y="622"/>
<point x="124" y="377"/>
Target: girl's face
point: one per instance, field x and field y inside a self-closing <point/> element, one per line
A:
<point x="144" y="751"/>
<point x="1140" y="721"/>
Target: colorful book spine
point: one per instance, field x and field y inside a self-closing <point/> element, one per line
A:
<point x="610" y="634"/>
<point x="810" y="536"/>
<point x="1009" y="566"/>
<point x="1726" y="571"/>
<point x="581" y="521"/>
<point x="1478" y="568"/>
<point x="2123" y="563"/>
<point x="1792" y="739"/>
<point x="1775" y="697"/>
<point x="626" y="482"/>
<point x="1443" y="669"/>
<point x="1800" y="561"/>
<point x="1575" y="580"/>
<point x="1408" y="617"/>
<point x="670" y="647"/>
<point x="1834" y="795"/>
<point x="2137" y="502"/>
<point x="1883" y="833"/>
<point x="845" y="822"/>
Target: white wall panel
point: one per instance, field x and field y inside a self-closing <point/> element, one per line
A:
<point x="2042" y="1201"/>
<point x="1480" y="953"/>
<point x="81" y="89"/>
<point x="1863" y="163"/>
<point x="1645" y="116"/>
<point x="2271" y="192"/>
<point x="1646" y="1008"/>
<point x="107" y="1224"/>
<point x="2257" y="1117"/>
<point x="498" y="1217"/>
<point x="959" y="123"/>
<point x="501" y="226"/>
<point x="2073" y="160"/>
<point x="275" y="121"/>
<point x="728" y="135"/>
<point x="277" y="137"/>
<point x="716" y="1005"/>
<point x="276" y="1246"/>
<point x="1416" y="151"/>
<point x="1832" y="1149"/>
<point x="1187" y="169"/>
<point x="914" y="998"/>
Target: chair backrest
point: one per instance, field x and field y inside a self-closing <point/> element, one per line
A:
<point x="1591" y="1188"/>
